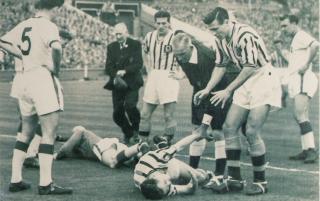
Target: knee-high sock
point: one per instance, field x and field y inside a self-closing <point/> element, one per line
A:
<point x="196" y="150"/>
<point x="19" y="154"/>
<point x="34" y="146"/>
<point x="233" y="152"/>
<point x="45" y="161"/>
<point x="307" y="136"/>
<point x="221" y="158"/>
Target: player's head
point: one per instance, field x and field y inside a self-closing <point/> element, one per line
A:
<point x="162" y="21"/>
<point x="217" y="21"/>
<point x="288" y="24"/>
<point x="48" y="4"/>
<point x="160" y="141"/>
<point x="182" y="47"/>
<point x="121" y="32"/>
<point x="156" y="186"/>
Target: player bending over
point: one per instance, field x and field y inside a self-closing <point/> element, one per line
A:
<point x="158" y="174"/>
<point x="85" y="144"/>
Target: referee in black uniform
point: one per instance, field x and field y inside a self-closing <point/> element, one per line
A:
<point x="198" y="61"/>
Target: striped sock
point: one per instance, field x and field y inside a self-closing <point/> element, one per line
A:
<point x="307" y="136"/>
<point x="233" y="163"/>
<point x="259" y="169"/>
<point x="45" y="161"/>
<point x="220" y="155"/>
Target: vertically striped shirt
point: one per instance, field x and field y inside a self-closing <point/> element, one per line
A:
<point x="159" y="52"/>
<point x="245" y="48"/>
<point x="149" y="163"/>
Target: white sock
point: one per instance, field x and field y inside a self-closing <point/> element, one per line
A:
<point x="34" y="146"/>
<point x="17" y="163"/>
<point x="220" y="149"/>
<point x="308" y="140"/>
<point x="45" y="162"/>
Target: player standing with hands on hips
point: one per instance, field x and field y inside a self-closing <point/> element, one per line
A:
<point x="39" y="42"/>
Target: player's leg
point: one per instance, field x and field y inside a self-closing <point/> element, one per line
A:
<point x="49" y="125"/>
<point x="20" y="152"/>
<point x="145" y="123"/>
<point x="125" y="153"/>
<point x="170" y="122"/>
<point x="301" y="114"/>
<point x="130" y="105"/>
<point x="119" y="116"/>
<point x="235" y="117"/>
<point x="256" y="119"/>
<point x="69" y="146"/>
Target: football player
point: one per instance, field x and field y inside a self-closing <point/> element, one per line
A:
<point x="302" y="82"/>
<point x="158" y="174"/>
<point x="85" y="144"/>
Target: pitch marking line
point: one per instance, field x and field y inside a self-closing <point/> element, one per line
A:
<point x="213" y="159"/>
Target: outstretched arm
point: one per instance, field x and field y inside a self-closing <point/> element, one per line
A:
<point x="8" y="47"/>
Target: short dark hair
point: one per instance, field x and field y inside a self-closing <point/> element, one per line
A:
<point x="48" y="4"/>
<point x="219" y="13"/>
<point x="150" y="190"/>
<point x="162" y="13"/>
<point x="293" y="19"/>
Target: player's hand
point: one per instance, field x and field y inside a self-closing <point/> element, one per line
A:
<point x="200" y="95"/>
<point x="121" y="73"/>
<point x="220" y="97"/>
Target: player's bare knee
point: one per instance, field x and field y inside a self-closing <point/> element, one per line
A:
<point x="78" y="129"/>
<point x="218" y="135"/>
<point x="228" y="130"/>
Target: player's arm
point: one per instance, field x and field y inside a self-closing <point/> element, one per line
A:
<point x="314" y="48"/>
<point x="56" y="57"/>
<point x="8" y="47"/>
<point x="217" y="74"/>
<point x="181" y="144"/>
<point x="189" y="188"/>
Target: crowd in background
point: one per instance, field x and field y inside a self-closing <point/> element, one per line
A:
<point x="90" y="36"/>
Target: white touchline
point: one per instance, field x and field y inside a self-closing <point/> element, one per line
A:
<point x="267" y="166"/>
<point x="213" y="159"/>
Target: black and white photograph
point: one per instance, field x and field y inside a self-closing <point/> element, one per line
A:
<point x="185" y="100"/>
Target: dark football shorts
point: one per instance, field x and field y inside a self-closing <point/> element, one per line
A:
<point x="218" y="114"/>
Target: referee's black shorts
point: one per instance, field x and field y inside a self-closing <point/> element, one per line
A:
<point x="218" y="114"/>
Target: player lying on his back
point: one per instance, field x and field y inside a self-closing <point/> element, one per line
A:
<point x="85" y="144"/>
<point x="158" y="174"/>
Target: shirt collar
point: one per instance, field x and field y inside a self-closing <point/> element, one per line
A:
<point x="194" y="56"/>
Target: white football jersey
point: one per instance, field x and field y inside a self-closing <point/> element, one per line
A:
<point x="34" y="37"/>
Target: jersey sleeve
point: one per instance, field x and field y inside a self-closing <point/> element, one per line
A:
<point x="221" y="57"/>
<point x="248" y="51"/>
<point x="50" y="33"/>
<point x="304" y="41"/>
<point x="146" y="43"/>
<point x="12" y="37"/>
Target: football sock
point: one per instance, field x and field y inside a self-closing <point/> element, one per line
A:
<point x="45" y="161"/>
<point x="307" y="136"/>
<point x="220" y="155"/>
<point x="258" y="163"/>
<point x="19" y="154"/>
<point x="34" y="146"/>
<point x="196" y="149"/>
<point x="233" y="163"/>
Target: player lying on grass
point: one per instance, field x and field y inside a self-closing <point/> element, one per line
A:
<point x="85" y="144"/>
<point x="158" y="174"/>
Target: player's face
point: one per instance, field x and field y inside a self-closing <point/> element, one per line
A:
<point x="219" y="30"/>
<point x="163" y="181"/>
<point x="162" y="25"/>
<point x="286" y="27"/>
<point x="182" y="54"/>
